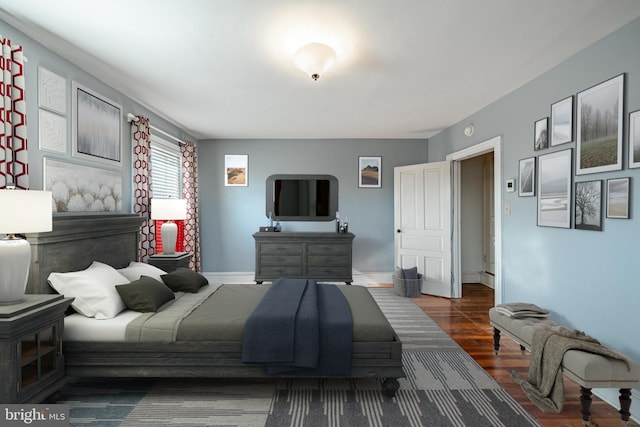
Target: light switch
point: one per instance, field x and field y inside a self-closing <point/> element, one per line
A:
<point x="507" y="209"/>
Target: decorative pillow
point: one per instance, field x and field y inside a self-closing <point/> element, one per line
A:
<point x="137" y="269"/>
<point x="410" y="273"/>
<point x="185" y="280"/>
<point x="94" y="290"/>
<point x="145" y="294"/>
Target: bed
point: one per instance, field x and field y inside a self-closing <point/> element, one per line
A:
<point x="77" y="241"/>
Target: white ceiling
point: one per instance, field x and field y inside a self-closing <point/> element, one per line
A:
<point x="406" y="68"/>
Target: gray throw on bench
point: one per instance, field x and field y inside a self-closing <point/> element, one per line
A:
<point x="544" y="386"/>
<point x="300" y="328"/>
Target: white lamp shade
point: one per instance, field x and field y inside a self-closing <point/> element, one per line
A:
<point x="168" y="209"/>
<point x="314" y="59"/>
<point x="25" y="211"/>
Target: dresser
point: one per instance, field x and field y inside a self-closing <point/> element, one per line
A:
<point x="31" y="359"/>
<point x="321" y="256"/>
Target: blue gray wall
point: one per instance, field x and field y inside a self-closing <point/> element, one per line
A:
<point x="230" y="215"/>
<point x="587" y="278"/>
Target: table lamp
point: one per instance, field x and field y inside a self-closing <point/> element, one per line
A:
<point x="21" y="211"/>
<point x="169" y="210"/>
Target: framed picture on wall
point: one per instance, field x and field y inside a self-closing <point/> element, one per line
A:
<point x="588" y="209"/>
<point x="236" y="170"/>
<point x="554" y="189"/>
<point x="541" y="134"/>
<point x="97" y="126"/>
<point x="599" y="127"/>
<point x="562" y="121"/>
<point x="52" y="91"/>
<point x="370" y="172"/>
<point x="634" y="139"/>
<point x="618" y="197"/>
<point x="527" y="177"/>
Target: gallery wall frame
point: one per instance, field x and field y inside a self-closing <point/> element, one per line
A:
<point x="562" y="121"/>
<point x="634" y="139"/>
<point x="541" y="134"/>
<point x="599" y="130"/>
<point x="236" y="170"/>
<point x="96" y="126"/>
<point x="618" y="190"/>
<point x="527" y="177"/>
<point x="554" y="189"/>
<point x="52" y="91"/>
<point x="588" y="205"/>
<point x="370" y="172"/>
<point x="80" y="188"/>
<point x="52" y="132"/>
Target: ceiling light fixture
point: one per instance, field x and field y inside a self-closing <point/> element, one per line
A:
<point x="314" y="59"/>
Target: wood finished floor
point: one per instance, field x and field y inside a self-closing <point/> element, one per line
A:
<point x="466" y="320"/>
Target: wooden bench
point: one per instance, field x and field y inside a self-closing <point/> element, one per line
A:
<point x="586" y="369"/>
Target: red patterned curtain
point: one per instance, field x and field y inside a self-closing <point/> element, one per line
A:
<point x="14" y="166"/>
<point x="141" y="157"/>
<point x="190" y="193"/>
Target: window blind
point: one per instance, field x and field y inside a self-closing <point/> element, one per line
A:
<point x="166" y="169"/>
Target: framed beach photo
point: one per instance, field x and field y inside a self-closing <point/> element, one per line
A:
<point x="370" y="172"/>
<point x="527" y="177"/>
<point x="97" y="127"/>
<point x="541" y="134"/>
<point x="562" y="122"/>
<point x="554" y="189"/>
<point x="618" y="198"/>
<point x="634" y="139"/>
<point x="588" y="205"/>
<point x="236" y="170"/>
<point x="599" y="127"/>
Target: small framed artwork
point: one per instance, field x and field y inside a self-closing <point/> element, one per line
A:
<point x="588" y="209"/>
<point x="562" y="121"/>
<point x="541" y="134"/>
<point x="618" y="197"/>
<point x="370" y="172"/>
<point x="236" y="170"/>
<point x="634" y="139"/>
<point x="97" y="127"/>
<point x="554" y="189"/>
<point x="52" y="91"/>
<point x="527" y="177"/>
<point x="52" y="130"/>
<point x="599" y="127"/>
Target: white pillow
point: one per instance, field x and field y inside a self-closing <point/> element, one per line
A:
<point x="137" y="269"/>
<point x="94" y="290"/>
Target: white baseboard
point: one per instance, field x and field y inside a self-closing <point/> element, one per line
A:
<point x="478" y="277"/>
<point x="611" y="396"/>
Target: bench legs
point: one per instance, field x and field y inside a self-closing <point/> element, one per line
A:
<point x="496" y="341"/>
<point x="585" y="405"/>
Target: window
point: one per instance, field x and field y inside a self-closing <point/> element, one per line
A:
<point x="166" y="169"/>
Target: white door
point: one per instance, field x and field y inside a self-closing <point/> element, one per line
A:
<point x="422" y="219"/>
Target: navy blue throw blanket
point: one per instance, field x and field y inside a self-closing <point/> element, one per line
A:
<point x="300" y="328"/>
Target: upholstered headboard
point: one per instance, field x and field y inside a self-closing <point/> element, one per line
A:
<point x="77" y="241"/>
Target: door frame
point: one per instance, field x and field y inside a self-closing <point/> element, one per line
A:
<point x="492" y="145"/>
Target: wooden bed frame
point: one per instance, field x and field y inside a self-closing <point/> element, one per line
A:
<point x="77" y="241"/>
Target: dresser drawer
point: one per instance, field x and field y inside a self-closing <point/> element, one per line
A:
<point x="321" y="272"/>
<point x="283" y="260"/>
<point x="280" y="249"/>
<point x="274" y="271"/>
<point x="321" y="260"/>
<point x="328" y="249"/>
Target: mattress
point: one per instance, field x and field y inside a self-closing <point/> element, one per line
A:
<point x="227" y="309"/>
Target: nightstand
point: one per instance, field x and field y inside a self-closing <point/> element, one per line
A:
<point x="171" y="262"/>
<point x="31" y="359"/>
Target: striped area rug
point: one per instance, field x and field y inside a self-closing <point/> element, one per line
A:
<point x="444" y="386"/>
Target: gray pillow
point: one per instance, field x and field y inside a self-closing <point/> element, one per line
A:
<point x="184" y="280"/>
<point x="145" y="294"/>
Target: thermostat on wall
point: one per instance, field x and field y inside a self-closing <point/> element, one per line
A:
<point x="511" y="185"/>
